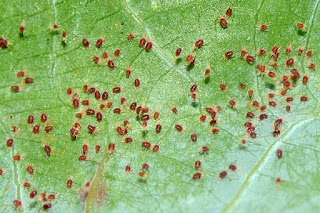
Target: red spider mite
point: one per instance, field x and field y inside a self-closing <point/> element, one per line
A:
<point x="117" y="110"/>
<point x="197" y="176"/>
<point x="156" y="148"/>
<point x="116" y="53"/>
<point x="193" y="137"/>
<point x="133" y="106"/>
<point x="75" y="103"/>
<point x="21" y="74"/>
<point x="270" y="95"/>
<point x="174" y="110"/>
<point x="204" y="149"/>
<point x="48" y="129"/>
<point x="47" y="150"/>
<point x="142" y="174"/>
<point x="263" y="117"/>
<point x="127" y="140"/>
<point x="289" y="62"/>
<point x="178" y="51"/>
<point x="243" y="52"/>
<point x="250" y="59"/>
<point x="28" y="80"/>
<point x="16" y="157"/>
<point x="261" y="52"/>
<point x="247" y="124"/>
<point x="36" y="129"/>
<point x="95" y="59"/>
<point x="69" y="183"/>
<point x="264" y="27"/>
<point x="303" y="98"/>
<point x="158" y="128"/>
<point x="301" y="26"/>
<point x="198" y="44"/>
<point x="136" y="83"/>
<point x="253" y="135"/>
<point x="207" y="72"/>
<point x="250" y="115"/>
<point x="289" y="99"/>
<point x="43" y="117"/>
<point x="79" y="115"/>
<point x="26" y="185"/>
<point x="250" y="93"/>
<point x="105" y="55"/>
<point x="116" y="90"/>
<point x="146" y="145"/>
<point x="223" y="22"/>
<point x="85" y="102"/>
<point x="33" y="194"/>
<point x="255" y="103"/>
<point x="312" y="66"/>
<point x="3" y="43"/>
<point x="190" y="59"/>
<point x="15" y="88"/>
<point x="111" y="148"/>
<point x="232" y="167"/>
<point x="119" y="130"/>
<point x="138" y="111"/>
<point x="85" y="43"/>
<point x="91" y="129"/>
<point x="179" y="128"/>
<point x="64" y="34"/>
<point x="274" y="50"/>
<point x="202" y="118"/>
<point x="271" y="74"/>
<point x="97" y="95"/>
<point x="105" y="96"/>
<point x="127" y="169"/>
<point x="22" y="28"/>
<point x="14" y="128"/>
<point x="223" y="174"/>
<point x="223" y="87"/>
<point x="69" y="91"/>
<point x="309" y="53"/>
<point x="30" y="169"/>
<point x="288" y="50"/>
<point x="51" y="197"/>
<point x="213" y="122"/>
<point x="145" y="166"/>
<point x="123" y="100"/>
<point x="262" y="108"/>
<point x="9" y="142"/>
<point x="110" y="64"/>
<point x="305" y="79"/>
<point x="300" y="50"/>
<point x="279" y="153"/>
<point x="142" y="42"/>
<point x="90" y="112"/>
<point x="99" y="42"/>
<point x="261" y="68"/>
<point x="144" y="125"/>
<point x="229" y="12"/>
<point x="85" y="148"/>
<point x="214" y="131"/>
<point x="30" y="119"/>
<point x="278" y="181"/>
<point x="193" y="88"/>
<point x="131" y="36"/>
<point x="156" y="115"/>
<point x="128" y="73"/>
<point x="54" y="26"/>
<point x="197" y="164"/>
<point x="17" y="204"/>
<point x="145" y="117"/>
<point x="288" y="108"/>
<point x="228" y="55"/>
<point x="97" y="148"/>
<point x="232" y="103"/>
<point x="242" y="86"/>
<point x="274" y="65"/>
<point x="148" y="46"/>
<point x="46" y="206"/>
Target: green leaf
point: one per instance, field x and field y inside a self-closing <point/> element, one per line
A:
<point x="100" y="183"/>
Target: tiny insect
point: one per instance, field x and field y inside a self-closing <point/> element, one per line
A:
<point x="309" y="53"/>
<point x="197" y="176"/>
<point x="9" y="142"/>
<point x="47" y="150"/>
<point x="116" y="53"/>
<point x="156" y="148"/>
<point x="146" y="145"/>
<point x="228" y="55"/>
<point x="243" y="52"/>
<point x="142" y="42"/>
<point x="3" y="43"/>
<point x="263" y="27"/>
<point x="301" y="26"/>
<point x="300" y="50"/>
<point x="95" y="59"/>
<point x="223" y="22"/>
<point x="111" y="148"/>
<point x="178" y="51"/>
<point x="223" y="87"/>
<point x="305" y="79"/>
<point x="223" y="174"/>
<point x="33" y="194"/>
<point x="250" y="115"/>
<point x="232" y="103"/>
<point x="312" y="66"/>
<point x="193" y="137"/>
<point x="136" y="83"/>
<point x="91" y="129"/>
<point x="15" y="88"/>
<point x="99" y="42"/>
<point x="288" y="50"/>
<point x="250" y="93"/>
<point x="261" y="52"/>
<point x="36" y="129"/>
<point x="289" y="62"/>
<point x="204" y="149"/>
<point x="69" y="183"/>
<point x="149" y="46"/>
<point x="174" y="110"/>
<point x="22" y="28"/>
<point x="110" y="64"/>
<point x="229" y="12"/>
<point x="85" y="43"/>
<point x="179" y="128"/>
<point x="303" y="98"/>
<point x="250" y="59"/>
<point x="198" y="44"/>
<point x="232" y="167"/>
<point x="197" y="164"/>
<point x="279" y="153"/>
<point x="46" y="206"/>
<point x="128" y="72"/>
<point x="158" y="128"/>
<point x="30" y="169"/>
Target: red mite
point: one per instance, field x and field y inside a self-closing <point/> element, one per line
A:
<point x="146" y="145"/>
<point x="250" y="59"/>
<point x="156" y="148"/>
<point x="193" y="137"/>
<point x="85" y="43"/>
<point x="22" y="28"/>
<point x="179" y="128"/>
<point x="223" y="22"/>
<point x="30" y="169"/>
<point x="9" y="142"/>
<point x="204" y="150"/>
<point x="142" y="42"/>
<point x="197" y="176"/>
<point x="28" y="80"/>
<point x="15" y="88"/>
<point x="97" y="148"/>
<point x="197" y="164"/>
<point x="279" y="153"/>
<point x="137" y="83"/>
<point x="228" y="55"/>
<point x="17" y="203"/>
<point x="111" y="148"/>
<point x="116" y="52"/>
<point x="229" y="12"/>
<point x="223" y="174"/>
<point x="33" y="193"/>
<point x="47" y="150"/>
<point x="43" y="117"/>
<point x="263" y="27"/>
<point x="36" y="129"/>
<point x="3" y="43"/>
<point x="232" y="167"/>
<point x="198" y="44"/>
<point x="99" y="42"/>
<point x="148" y="46"/>
<point x="91" y="129"/>
<point x="110" y="64"/>
<point x="20" y="74"/>
<point x="69" y="183"/>
<point x="178" y="51"/>
<point x="131" y="36"/>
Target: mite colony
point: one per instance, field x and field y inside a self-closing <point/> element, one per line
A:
<point x="84" y="107"/>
